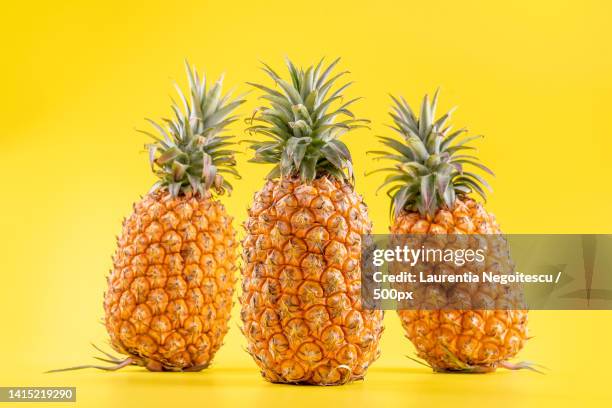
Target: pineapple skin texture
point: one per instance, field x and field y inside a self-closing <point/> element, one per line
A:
<point x="481" y="339"/>
<point x="301" y="291"/>
<point x="169" y="294"/>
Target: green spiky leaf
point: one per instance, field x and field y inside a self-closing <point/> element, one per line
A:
<point x="302" y="123"/>
<point x="192" y="150"/>
<point x="429" y="172"/>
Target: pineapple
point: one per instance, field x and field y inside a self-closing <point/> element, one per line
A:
<point x="430" y="187"/>
<point x="170" y="290"/>
<point x="301" y="306"/>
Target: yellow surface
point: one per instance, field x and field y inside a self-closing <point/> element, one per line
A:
<point x="534" y="76"/>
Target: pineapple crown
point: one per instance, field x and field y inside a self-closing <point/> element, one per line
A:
<point x="303" y="121"/>
<point x="191" y="153"/>
<point x="429" y="161"/>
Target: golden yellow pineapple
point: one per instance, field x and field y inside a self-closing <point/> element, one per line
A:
<point x="301" y="290"/>
<point x="430" y="185"/>
<point x="170" y="291"/>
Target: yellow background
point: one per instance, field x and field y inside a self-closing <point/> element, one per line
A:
<point x="77" y="78"/>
